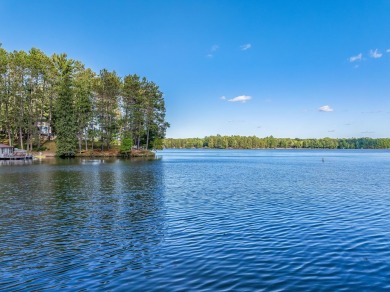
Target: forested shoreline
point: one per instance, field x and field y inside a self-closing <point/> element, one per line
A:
<point x="253" y="142"/>
<point x="54" y="97"/>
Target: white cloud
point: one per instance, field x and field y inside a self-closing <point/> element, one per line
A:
<point x="223" y="97"/>
<point x="356" y="58"/>
<point x="325" y="108"/>
<point x="245" y="47"/>
<point x="240" y="98"/>
<point x="375" y="54"/>
<point x="388" y="51"/>
<point x="213" y="49"/>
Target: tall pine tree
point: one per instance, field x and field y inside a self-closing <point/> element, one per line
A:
<point x="65" y="120"/>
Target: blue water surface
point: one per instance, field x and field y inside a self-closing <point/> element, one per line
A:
<point x="198" y="220"/>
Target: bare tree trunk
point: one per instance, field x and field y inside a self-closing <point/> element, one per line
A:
<point x="86" y="141"/>
<point x="21" y="138"/>
<point x="9" y="136"/>
<point x="50" y="117"/>
<point x="147" y="139"/>
<point x="8" y="125"/>
<point x="80" y="143"/>
<point x="39" y="130"/>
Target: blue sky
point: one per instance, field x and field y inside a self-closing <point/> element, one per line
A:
<point x="283" y="68"/>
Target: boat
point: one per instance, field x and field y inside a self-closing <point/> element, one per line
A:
<point x="11" y="153"/>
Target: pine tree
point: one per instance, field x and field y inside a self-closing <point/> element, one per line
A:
<point x="107" y="88"/>
<point x="83" y="83"/>
<point x="65" y="120"/>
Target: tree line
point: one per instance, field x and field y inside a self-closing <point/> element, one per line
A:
<point x="79" y="108"/>
<point x="253" y="142"/>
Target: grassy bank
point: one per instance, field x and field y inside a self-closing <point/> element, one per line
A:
<point x="50" y="151"/>
<point x="116" y="153"/>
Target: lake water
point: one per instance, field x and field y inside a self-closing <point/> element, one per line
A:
<point x="198" y="220"/>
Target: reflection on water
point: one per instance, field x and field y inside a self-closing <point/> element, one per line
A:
<point x="92" y="161"/>
<point x="75" y="223"/>
<point x="16" y="162"/>
<point x="198" y="220"/>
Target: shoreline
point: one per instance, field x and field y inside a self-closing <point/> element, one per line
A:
<point x="102" y="154"/>
<point x="228" y="149"/>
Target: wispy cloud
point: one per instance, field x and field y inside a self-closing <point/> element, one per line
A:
<point x="213" y="49"/>
<point x="240" y="98"/>
<point x="388" y="51"/>
<point x="358" y="57"/>
<point x="245" y="47"/>
<point x="325" y="108"/>
<point x="375" y="54"/>
<point x="223" y="97"/>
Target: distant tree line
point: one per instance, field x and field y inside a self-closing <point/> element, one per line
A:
<point x="81" y="109"/>
<point x="253" y="142"/>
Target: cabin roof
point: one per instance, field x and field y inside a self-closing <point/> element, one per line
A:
<point x="5" y="146"/>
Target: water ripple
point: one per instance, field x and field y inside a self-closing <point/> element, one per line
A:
<point x="197" y="221"/>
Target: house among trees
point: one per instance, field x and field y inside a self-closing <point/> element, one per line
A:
<point x="42" y="97"/>
<point x="44" y="128"/>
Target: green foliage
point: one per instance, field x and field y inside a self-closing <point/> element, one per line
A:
<point x="127" y="142"/>
<point x="253" y="142"/>
<point x="83" y="91"/>
<point x="144" y="111"/>
<point x="107" y="88"/>
<point x="158" y="144"/>
<point x="75" y="105"/>
<point x="65" y="122"/>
